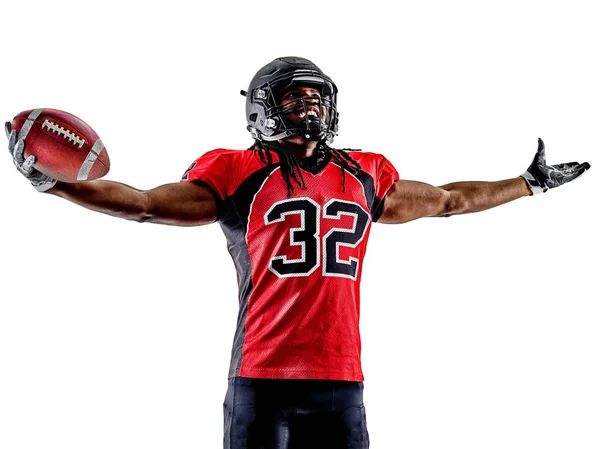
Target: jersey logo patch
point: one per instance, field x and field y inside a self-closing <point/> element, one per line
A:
<point x="190" y="168"/>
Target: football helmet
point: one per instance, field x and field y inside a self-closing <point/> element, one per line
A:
<point x="269" y="118"/>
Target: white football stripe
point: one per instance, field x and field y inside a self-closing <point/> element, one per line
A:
<point x="86" y="167"/>
<point x="29" y="123"/>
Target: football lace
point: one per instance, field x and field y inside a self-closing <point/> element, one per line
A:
<point x="73" y="138"/>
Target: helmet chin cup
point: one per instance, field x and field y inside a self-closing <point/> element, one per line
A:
<point x="312" y="130"/>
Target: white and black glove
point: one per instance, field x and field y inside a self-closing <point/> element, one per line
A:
<point x="540" y="176"/>
<point x="16" y="146"/>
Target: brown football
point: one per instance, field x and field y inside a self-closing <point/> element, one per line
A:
<point x="66" y="148"/>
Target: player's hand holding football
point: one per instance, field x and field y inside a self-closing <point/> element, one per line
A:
<point x="16" y="146"/>
<point x="540" y="176"/>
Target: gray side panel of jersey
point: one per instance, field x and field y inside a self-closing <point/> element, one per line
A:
<point x="234" y="224"/>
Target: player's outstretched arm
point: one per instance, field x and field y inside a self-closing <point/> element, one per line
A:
<point x="409" y="200"/>
<point x="181" y="204"/>
<point x="178" y="204"/>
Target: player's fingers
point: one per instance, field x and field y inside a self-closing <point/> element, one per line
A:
<point x="577" y="172"/>
<point x="12" y="141"/>
<point x="585" y="166"/>
<point x="7" y="128"/>
<point x="541" y="152"/>
<point x="28" y="164"/>
<point x="565" y="169"/>
<point x="577" y="168"/>
<point x="566" y="166"/>
<point x="18" y="153"/>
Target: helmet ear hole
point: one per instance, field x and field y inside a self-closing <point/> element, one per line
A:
<point x="253" y="117"/>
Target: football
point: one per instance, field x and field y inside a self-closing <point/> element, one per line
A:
<point x="66" y="148"/>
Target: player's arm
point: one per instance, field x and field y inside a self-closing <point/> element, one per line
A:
<point x="180" y="204"/>
<point x="409" y="200"/>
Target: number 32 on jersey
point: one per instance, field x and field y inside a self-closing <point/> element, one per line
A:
<point x="307" y="236"/>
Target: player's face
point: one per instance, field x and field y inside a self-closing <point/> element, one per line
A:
<point x="294" y="108"/>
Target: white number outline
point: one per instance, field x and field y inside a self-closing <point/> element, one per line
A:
<point x="337" y="243"/>
<point x="292" y="240"/>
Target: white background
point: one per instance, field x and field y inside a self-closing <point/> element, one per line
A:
<point x="478" y="331"/>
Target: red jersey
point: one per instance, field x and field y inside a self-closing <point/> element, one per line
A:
<point x="298" y="260"/>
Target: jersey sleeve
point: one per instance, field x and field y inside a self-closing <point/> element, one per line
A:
<point x="386" y="176"/>
<point x="210" y="169"/>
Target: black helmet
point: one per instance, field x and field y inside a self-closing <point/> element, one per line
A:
<point x="267" y="117"/>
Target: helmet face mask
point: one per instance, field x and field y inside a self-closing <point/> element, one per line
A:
<point x="310" y="111"/>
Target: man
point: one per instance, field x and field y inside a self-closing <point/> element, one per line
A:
<point x="297" y="215"/>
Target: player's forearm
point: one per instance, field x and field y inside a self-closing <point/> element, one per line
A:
<point x="476" y="196"/>
<point x="108" y="197"/>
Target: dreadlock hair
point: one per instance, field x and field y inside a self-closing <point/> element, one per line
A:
<point x="290" y="165"/>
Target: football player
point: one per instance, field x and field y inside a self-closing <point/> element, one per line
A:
<point x="296" y="213"/>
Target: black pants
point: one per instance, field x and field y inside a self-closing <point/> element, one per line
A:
<point x="294" y="414"/>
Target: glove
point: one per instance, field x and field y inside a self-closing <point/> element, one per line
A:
<point x="540" y="176"/>
<point x="16" y="146"/>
